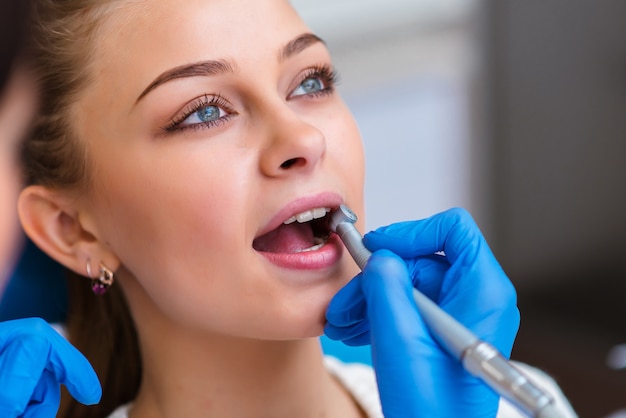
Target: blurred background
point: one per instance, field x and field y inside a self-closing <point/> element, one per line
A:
<point x="515" y="110"/>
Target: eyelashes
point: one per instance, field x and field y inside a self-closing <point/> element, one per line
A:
<point x="210" y="111"/>
<point x="319" y="80"/>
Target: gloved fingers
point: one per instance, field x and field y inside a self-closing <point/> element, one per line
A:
<point x="427" y="273"/>
<point x="347" y="307"/>
<point x="394" y="321"/>
<point x="481" y="297"/>
<point x="31" y="346"/>
<point x="357" y="340"/>
<point x="485" y="302"/>
<point x="454" y="232"/>
<point x="45" y="399"/>
<point x="72" y="369"/>
<point x="346" y="314"/>
<point x="351" y="332"/>
<point x="22" y="362"/>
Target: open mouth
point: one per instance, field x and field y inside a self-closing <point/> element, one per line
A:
<point x="303" y="232"/>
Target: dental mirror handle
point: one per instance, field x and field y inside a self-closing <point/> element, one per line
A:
<point x="479" y="358"/>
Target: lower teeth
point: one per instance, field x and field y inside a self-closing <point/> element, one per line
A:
<point x="314" y="247"/>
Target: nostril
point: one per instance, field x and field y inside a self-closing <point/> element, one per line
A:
<point x="291" y="163"/>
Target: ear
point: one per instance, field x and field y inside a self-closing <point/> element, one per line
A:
<point x="51" y="220"/>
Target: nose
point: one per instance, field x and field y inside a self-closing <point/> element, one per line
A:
<point x="293" y="145"/>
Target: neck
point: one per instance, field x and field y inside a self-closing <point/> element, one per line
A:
<point x="227" y="377"/>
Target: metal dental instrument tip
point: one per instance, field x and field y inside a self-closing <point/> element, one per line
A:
<point x="478" y="357"/>
<point x="342" y="223"/>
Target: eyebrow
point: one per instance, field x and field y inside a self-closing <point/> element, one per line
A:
<point x="218" y="67"/>
<point x="203" y="68"/>
<point x="298" y="45"/>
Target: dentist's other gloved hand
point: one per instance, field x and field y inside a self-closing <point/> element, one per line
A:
<point x="34" y="361"/>
<point x="415" y="377"/>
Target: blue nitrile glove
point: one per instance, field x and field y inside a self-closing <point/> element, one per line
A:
<point x="34" y="361"/>
<point x="415" y="377"/>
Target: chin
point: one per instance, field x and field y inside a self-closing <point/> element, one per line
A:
<point x="315" y="329"/>
<point x="303" y="324"/>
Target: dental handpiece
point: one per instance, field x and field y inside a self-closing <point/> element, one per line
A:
<point x="478" y="357"/>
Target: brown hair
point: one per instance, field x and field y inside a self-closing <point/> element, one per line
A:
<point x="101" y="327"/>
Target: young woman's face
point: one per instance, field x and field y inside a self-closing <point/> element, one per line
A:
<point x="208" y="125"/>
<point x="17" y="103"/>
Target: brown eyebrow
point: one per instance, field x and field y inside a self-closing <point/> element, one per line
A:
<point x="299" y="44"/>
<point x="204" y="68"/>
<point x="217" y="67"/>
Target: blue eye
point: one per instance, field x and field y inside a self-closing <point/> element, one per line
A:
<point x="317" y="81"/>
<point x="309" y="86"/>
<point x="205" y="112"/>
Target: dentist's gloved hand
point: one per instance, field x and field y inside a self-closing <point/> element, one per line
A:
<point x="415" y="377"/>
<point x="34" y="361"/>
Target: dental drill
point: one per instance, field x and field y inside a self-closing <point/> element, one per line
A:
<point x="478" y="357"/>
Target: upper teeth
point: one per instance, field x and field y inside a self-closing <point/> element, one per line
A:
<point x="308" y="215"/>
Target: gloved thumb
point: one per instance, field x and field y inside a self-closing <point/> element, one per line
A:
<point x="399" y="338"/>
<point x="388" y="289"/>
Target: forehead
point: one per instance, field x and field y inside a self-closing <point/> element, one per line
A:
<point x="168" y="32"/>
<point x="140" y="39"/>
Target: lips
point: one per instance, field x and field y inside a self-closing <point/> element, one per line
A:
<point x="297" y="236"/>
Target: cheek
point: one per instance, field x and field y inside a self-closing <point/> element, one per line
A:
<point x="177" y="225"/>
<point x="182" y="207"/>
<point x="346" y="149"/>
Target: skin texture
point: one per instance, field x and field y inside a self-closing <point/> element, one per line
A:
<point x="175" y="214"/>
<point x="16" y="107"/>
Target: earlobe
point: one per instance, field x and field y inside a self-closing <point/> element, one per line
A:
<point x="51" y="221"/>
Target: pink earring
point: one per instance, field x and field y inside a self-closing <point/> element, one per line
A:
<point x="100" y="285"/>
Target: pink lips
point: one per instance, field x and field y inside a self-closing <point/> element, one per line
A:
<point x="324" y="257"/>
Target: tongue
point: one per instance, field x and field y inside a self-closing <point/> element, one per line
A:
<point x="290" y="238"/>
